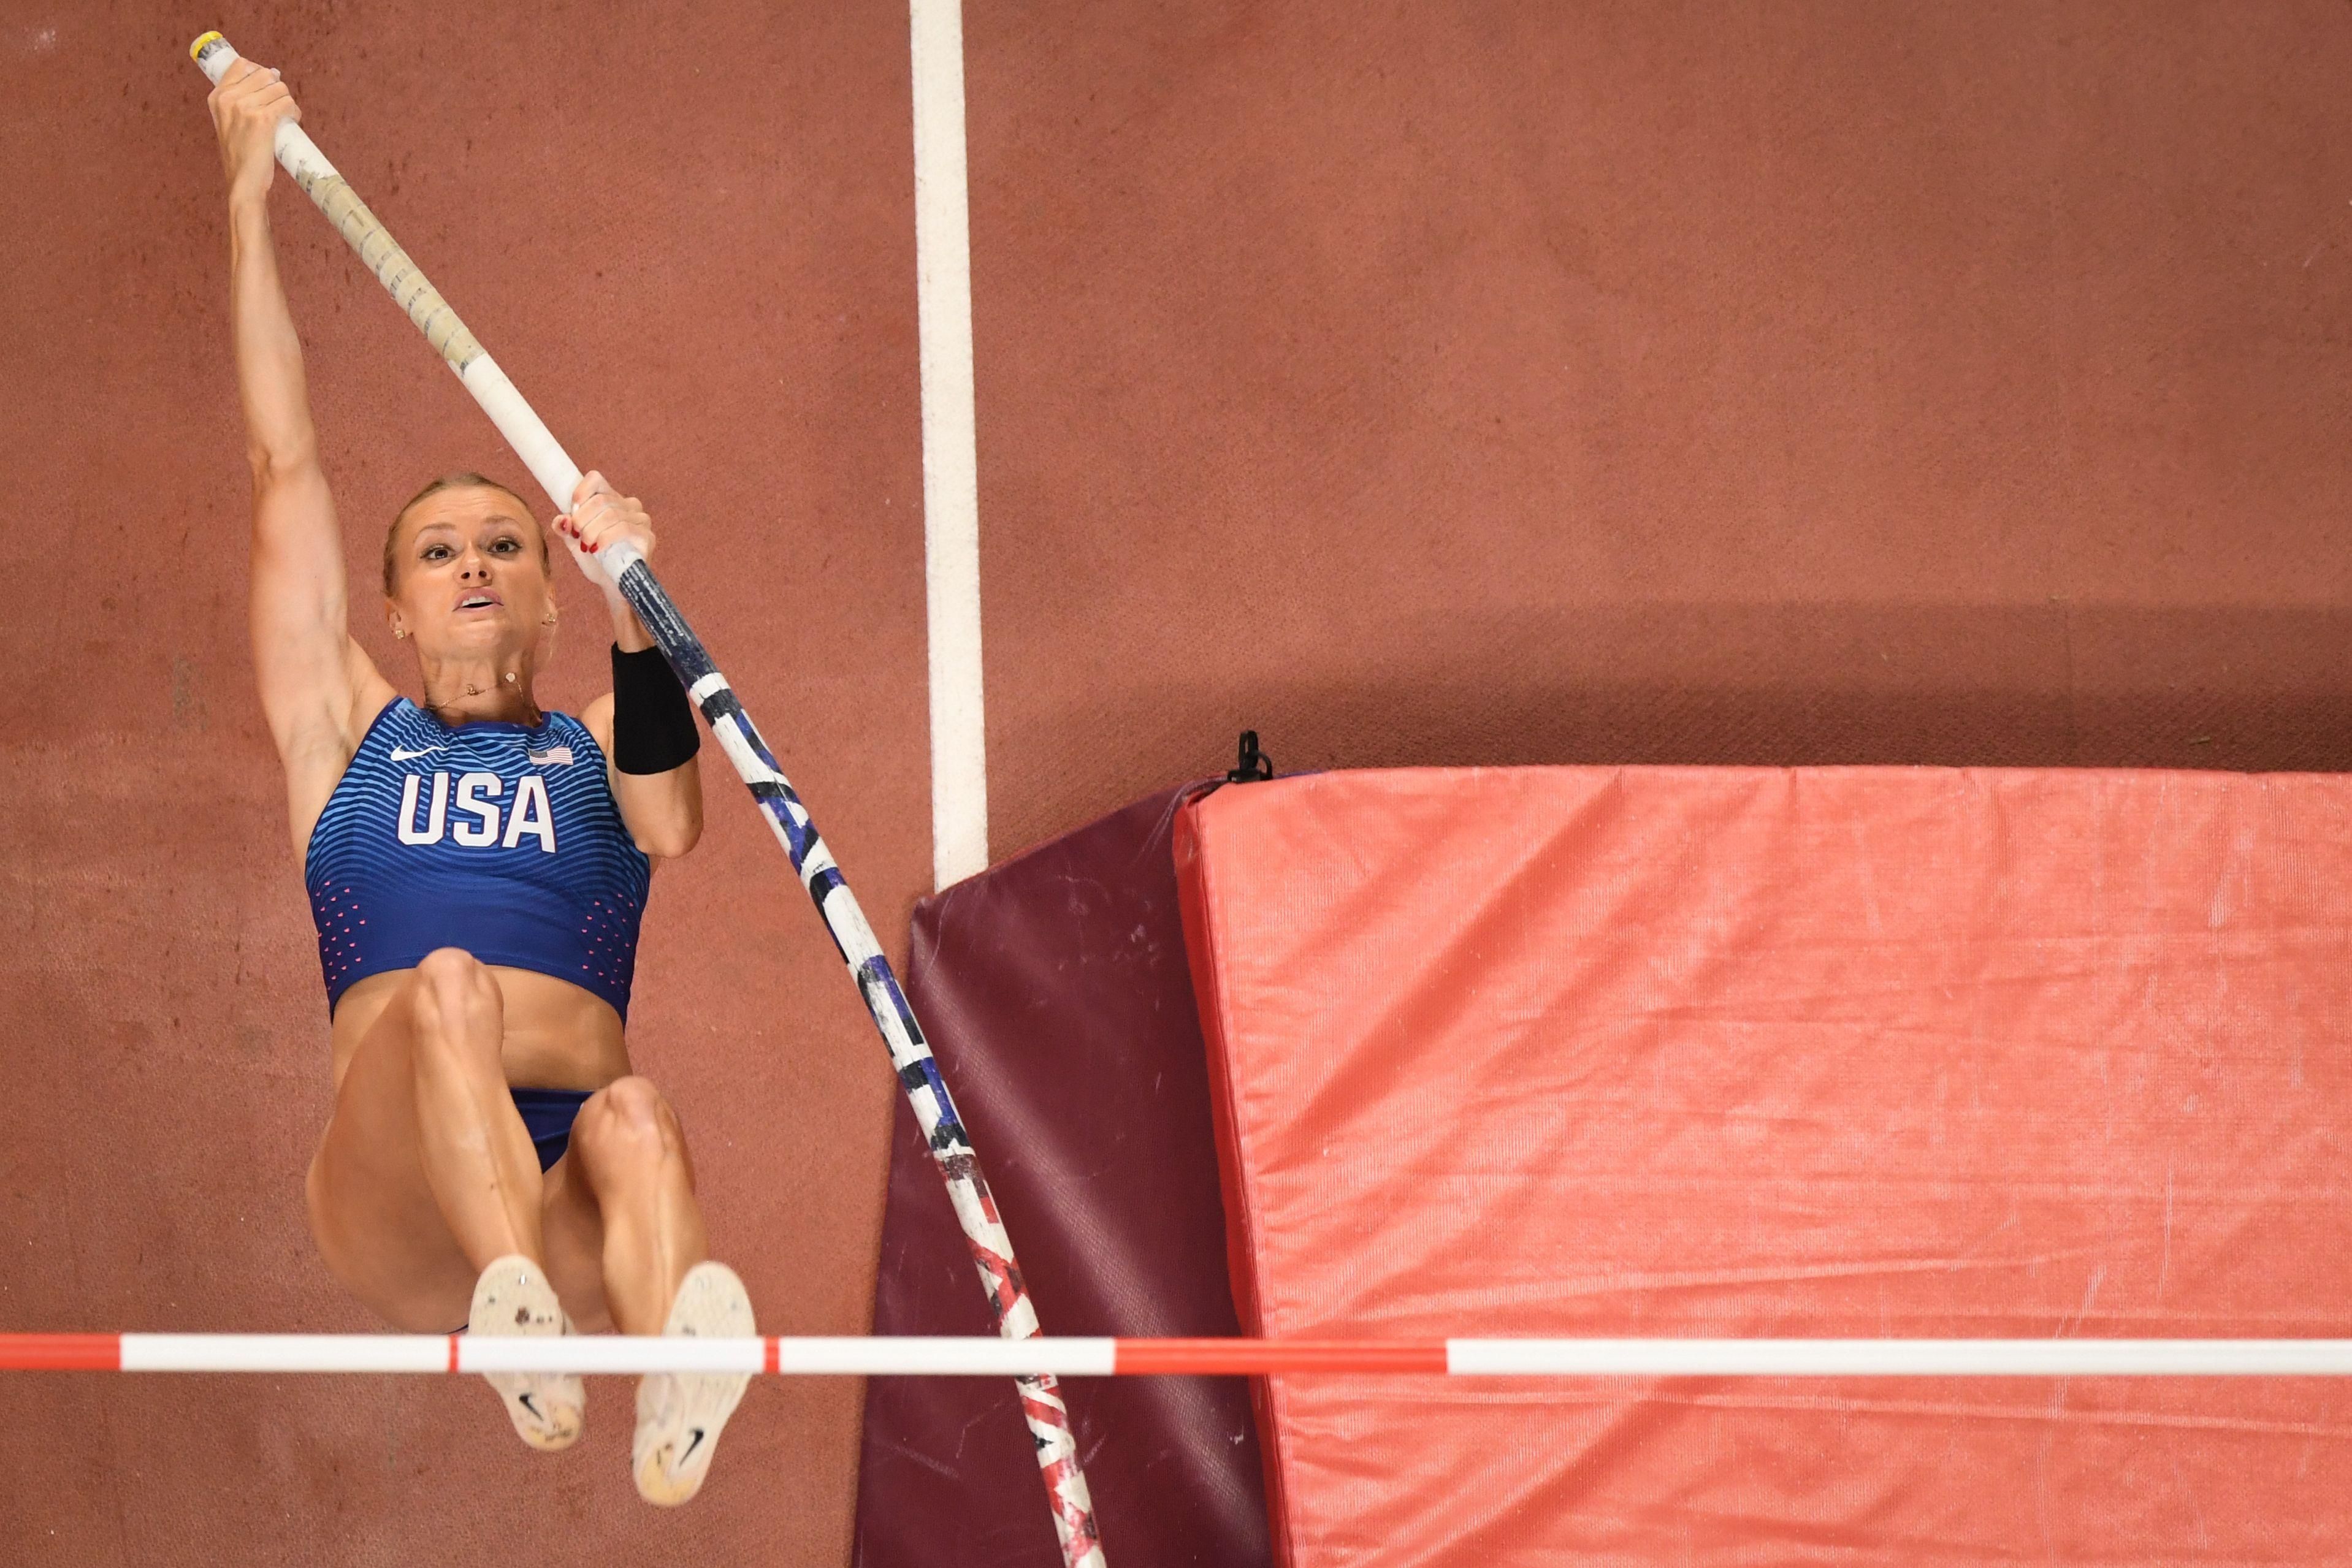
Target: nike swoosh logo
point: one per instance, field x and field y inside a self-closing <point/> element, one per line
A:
<point x="401" y="754"/>
<point x="692" y="1446"/>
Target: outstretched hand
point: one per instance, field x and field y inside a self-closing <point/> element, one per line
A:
<point x="246" y="107"/>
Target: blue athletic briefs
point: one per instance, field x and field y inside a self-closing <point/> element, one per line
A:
<point x="496" y="837"/>
<point x="548" y="1114"/>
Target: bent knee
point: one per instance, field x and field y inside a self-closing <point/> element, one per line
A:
<point x="454" y="991"/>
<point x="454" y="981"/>
<point x="447" y="967"/>
<point x="628" y="1120"/>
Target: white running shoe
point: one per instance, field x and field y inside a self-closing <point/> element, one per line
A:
<point x="680" y="1414"/>
<point x="513" y="1297"/>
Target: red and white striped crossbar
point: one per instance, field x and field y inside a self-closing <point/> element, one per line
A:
<point x="945" y="1356"/>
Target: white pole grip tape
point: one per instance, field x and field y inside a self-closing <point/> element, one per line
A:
<point x="523" y="429"/>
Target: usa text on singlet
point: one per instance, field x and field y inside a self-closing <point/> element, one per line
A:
<point x="496" y="837"/>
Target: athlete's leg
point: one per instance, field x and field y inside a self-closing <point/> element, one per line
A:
<point x="573" y="1231"/>
<point x="626" y="1189"/>
<point x="477" y="1153"/>
<point x="621" y="1217"/>
<point x="425" y="1173"/>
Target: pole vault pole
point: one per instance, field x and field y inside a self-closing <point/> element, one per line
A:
<point x="910" y="1054"/>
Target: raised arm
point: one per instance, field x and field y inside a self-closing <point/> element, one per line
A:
<point x="649" y="749"/>
<point x="318" y="688"/>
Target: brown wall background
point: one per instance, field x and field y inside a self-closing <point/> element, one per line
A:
<point x="1716" y="382"/>
<point x="1495" y="382"/>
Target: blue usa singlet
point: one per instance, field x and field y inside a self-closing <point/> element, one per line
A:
<point x="496" y="837"/>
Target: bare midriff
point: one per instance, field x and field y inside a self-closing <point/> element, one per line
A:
<point x="558" y="1035"/>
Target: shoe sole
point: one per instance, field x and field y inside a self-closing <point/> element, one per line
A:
<point x="513" y="1297"/>
<point x="680" y="1414"/>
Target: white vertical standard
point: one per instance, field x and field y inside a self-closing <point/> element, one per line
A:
<point x="950" y="459"/>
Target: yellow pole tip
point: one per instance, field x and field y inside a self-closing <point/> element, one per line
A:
<point x="198" y="47"/>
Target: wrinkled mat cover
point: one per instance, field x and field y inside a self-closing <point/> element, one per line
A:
<point x="1055" y="989"/>
<point x="1833" y="1051"/>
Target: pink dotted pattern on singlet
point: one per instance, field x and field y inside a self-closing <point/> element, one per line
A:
<point x="338" y="919"/>
<point x="611" y="943"/>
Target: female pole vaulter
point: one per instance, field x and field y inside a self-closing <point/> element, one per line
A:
<point x="477" y="867"/>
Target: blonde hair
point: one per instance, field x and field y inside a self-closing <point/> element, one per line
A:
<point x="468" y="480"/>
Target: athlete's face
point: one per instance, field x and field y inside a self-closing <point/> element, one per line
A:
<point x="469" y="576"/>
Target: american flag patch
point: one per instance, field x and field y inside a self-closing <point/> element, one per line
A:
<point x="552" y="754"/>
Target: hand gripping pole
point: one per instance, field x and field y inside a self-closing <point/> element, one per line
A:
<point x="910" y="1055"/>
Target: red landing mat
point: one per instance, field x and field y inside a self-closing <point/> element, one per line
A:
<point x="1055" y="991"/>
<point x="1835" y="1051"/>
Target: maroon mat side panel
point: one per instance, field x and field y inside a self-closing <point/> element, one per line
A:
<point x="1056" y="993"/>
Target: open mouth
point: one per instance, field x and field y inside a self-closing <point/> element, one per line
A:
<point x="479" y="601"/>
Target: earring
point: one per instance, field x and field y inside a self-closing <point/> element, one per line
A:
<point x="400" y="633"/>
